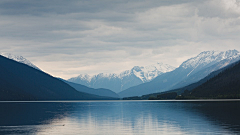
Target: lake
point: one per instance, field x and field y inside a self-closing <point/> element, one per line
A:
<point x="120" y="117"/>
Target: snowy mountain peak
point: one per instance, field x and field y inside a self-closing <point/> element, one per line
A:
<point x="209" y="57"/>
<point x="136" y="68"/>
<point x="85" y="77"/>
<point x="231" y="54"/>
<point x="20" y="59"/>
<point x="148" y="73"/>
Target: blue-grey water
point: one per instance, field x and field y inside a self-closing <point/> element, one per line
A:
<point x="120" y="117"/>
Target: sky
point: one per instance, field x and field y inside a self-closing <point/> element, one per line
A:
<point x="66" y="38"/>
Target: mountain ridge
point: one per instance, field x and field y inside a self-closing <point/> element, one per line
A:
<point x="188" y="68"/>
<point x="124" y="80"/>
<point x="20" y="59"/>
<point x="19" y="81"/>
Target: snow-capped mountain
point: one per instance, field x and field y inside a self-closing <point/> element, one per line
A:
<point x="208" y="58"/>
<point x="20" y="59"/>
<point x="190" y="71"/>
<point x="124" y="80"/>
<point x="211" y="60"/>
<point x="148" y="73"/>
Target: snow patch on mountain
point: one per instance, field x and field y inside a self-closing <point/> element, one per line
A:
<point x="107" y="75"/>
<point x="20" y="59"/>
<point x="85" y="77"/>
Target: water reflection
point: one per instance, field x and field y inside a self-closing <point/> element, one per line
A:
<point x="120" y="118"/>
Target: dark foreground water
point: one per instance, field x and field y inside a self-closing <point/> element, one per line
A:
<point x="120" y="117"/>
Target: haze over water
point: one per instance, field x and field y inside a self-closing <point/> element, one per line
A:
<point x="120" y="117"/>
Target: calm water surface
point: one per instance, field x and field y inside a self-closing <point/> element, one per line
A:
<point x="120" y="117"/>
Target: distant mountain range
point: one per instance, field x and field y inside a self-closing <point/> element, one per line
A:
<point x="190" y="71"/>
<point x="19" y="81"/>
<point x="22" y="80"/>
<point x="126" y="79"/>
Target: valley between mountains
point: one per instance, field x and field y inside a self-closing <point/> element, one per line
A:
<point x="194" y="78"/>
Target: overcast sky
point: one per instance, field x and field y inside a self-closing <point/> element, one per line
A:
<point x="66" y="38"/>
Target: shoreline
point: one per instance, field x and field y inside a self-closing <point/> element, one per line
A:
<point x="185" y="100"/>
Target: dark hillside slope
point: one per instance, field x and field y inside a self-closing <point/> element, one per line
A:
<point x="225" y="85"/>
<point x="21" y="82"/>
<point x="100" y="92"/>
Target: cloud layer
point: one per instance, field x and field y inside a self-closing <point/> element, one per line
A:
<point x="67" y="38"/>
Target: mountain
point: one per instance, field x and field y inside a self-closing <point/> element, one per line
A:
<point x="224" y="85"/>
<point x="20" y="59"/>
<point x="18" y="81"/>
<point x="203" y="73"/>
<point x="188" y="72"/>
<point x="180" y="91"/>
<point x="100" y="92"/>
<point x="126" y="79"/>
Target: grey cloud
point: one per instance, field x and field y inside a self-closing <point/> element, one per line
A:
<point x="36" y="7"/>
<point x="219" y="8"/>
<point x="93" y="33"/>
